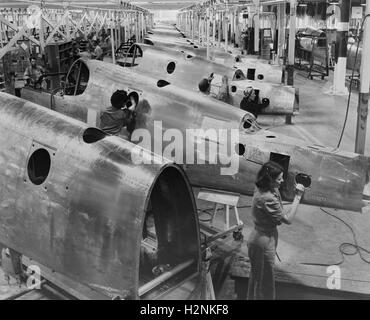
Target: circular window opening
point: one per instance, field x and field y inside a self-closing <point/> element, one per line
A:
<point x="240" y="149"/>
<point x="247" y="124"/>
<point x="260" y="77"/>
<point x="265" y="101"/>
<point x="271" y="137"/>
<point x="162" y="83"/>
<point x="39" y="166"/>
<point x="92" y="135"/>
<point x="304" y="179"/>
<point x="171" y="67"/>
<point x="233" y="88"/>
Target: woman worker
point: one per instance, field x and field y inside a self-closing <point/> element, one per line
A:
<point x="267" y="212"/>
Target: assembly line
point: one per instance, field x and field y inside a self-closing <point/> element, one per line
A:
<point x="156" y="158"/>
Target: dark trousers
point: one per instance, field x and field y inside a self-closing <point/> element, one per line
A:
<point x="261" y="252"/>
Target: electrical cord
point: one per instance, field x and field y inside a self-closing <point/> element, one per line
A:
<point x="343" y="248"/>
<point x="350" y="86"/>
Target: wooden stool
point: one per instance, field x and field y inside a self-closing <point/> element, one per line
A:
<point x="221" y="199"/>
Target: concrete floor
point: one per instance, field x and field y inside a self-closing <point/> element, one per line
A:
<point x="321" y="115"/>
<point x="314" y="238"/>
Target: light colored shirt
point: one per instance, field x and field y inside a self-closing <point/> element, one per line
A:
<point x="98" y="53"/>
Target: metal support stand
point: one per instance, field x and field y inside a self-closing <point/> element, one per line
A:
<point x="228" y="201"/>
<point x="209" y="292"/>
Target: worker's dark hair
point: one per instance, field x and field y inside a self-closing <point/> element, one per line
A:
<point x="33" y="57"/>
<point x="118" y="99"/>
<point x="267" y="175"/>
<point x="203" y="85"/>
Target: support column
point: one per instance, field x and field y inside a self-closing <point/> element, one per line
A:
<point x="112" y="40"/>
<point x="213" y="28"/>
<point x="119" y="29"/>
<point x="207" y="31"/>
<point x="219" y="28"/>
<point x="68" y="25"/>
<point x="281" y="29"/>
<point x="257" y="27"/>
<point x="199" y="28"/>
<point x="363" y="101"/>
<point x="41" y="33"/>
<point x="226" y="22"/>
<point x="339" y="84"/>
<point x="291" y="53"/>
<point x="237" y="31"/>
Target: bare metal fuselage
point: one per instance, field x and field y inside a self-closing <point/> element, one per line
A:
<point x="336" y="179"/>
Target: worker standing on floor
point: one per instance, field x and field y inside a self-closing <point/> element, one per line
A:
<point x="34" y="74"/>
<point x="267" y="212"/>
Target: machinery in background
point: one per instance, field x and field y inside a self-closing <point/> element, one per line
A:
<point x="312" y="52"/>
<point x="59" y="58"/>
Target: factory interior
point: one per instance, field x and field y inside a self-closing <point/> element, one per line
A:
<point x="134" y="139"/>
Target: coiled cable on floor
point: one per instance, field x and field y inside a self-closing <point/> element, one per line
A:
<point x="346" y="246"/>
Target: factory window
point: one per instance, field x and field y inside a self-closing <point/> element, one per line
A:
<point x="92" y="135"/>
<point x="260" y="77"/>
<point x="195" y="47"/>
<point x="171" y="67"/>
<point x="162" y="83"/>
<point x="189" y="56"/>
<point x="233" y="89"/>
<point x="39" y="166"/>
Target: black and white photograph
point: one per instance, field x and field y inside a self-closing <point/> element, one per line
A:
<point x="188" y="155"/>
